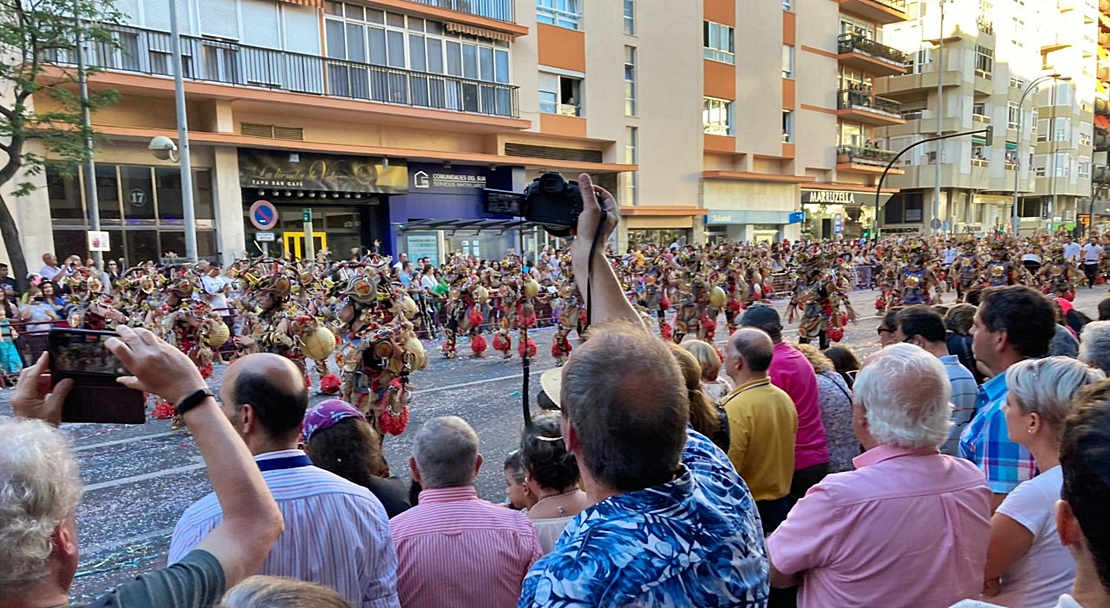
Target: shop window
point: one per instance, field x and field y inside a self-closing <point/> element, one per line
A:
<point x="1031" y="207"/>
<point x="202" y="196"/>
<point x="904" y="208"/>
<point x="65" y="198"/>
<point x="170" y="208"/>
<point x="142" y="246"/>
<point x="138" y="195"/>
<point x="107" y="193"/>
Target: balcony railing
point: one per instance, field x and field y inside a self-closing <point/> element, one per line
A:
<point x="148" y="52"/>
<point x="501" y="10"/>
<point x="866" y="155"/>
<point x="981" y="118"/>
<point x="898" y="5"/>
<point x="985" y="25"/>
<point x="854" y="43"/>
<point x="980" y="162"/>
<point x="866" y="101"/>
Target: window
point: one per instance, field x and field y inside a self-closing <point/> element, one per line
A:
<point x="787" y="61"/>
<point x="1013" y="115"/>
<point x="1084" y="133"/>
<point x="631" y="156"/>
<point x="1084" y="170"/>
<point x="716" y="116"/>
<point x="787" y="126"/>
<point x="629" y="81"/>
<point x="718" y="42"/>
<point x="1040" y="163"/>
<point x="984" y="61"/>
<point x="560" y="94"/>
<point x="1061" y="129"/>
<point x="917" y="63"/>
<point x="1061" y="164"/>
<point x="563" y="13"/>
<point x="630" y="17"/>
<point x="904" y="208"/>
<point x="1065" y="94"/>
<point x="1042" y="129"/>
<point x="787" y="5"/>
<point x="979" y="109"/>
<point x="1017" y="83"/>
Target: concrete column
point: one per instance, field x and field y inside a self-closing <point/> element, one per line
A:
<point x="231" y="240"/>
<point x="32" y="217"/>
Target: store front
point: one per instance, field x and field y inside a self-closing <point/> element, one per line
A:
<point x="140" y="208"/>
<point x="733" y="226"/>
<point x="838" y="214"/>
<point x="346" y="198"/>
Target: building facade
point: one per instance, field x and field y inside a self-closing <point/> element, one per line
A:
<point x="1041" y="144"/>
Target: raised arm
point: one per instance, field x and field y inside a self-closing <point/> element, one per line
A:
<point x="607" y="300"/>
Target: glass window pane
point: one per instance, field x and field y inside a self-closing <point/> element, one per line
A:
<point x="470" y="61"/>
<point x="65" y="198"/>
<point x="107" y="193"/>
<point x="202" y="195"/>
<point x="396" y="49"/>
<point x="336" y="41"/>
<point x="435" y="56"/>
<point x="416" y="24"/>
<point x="486" y="63"/>
<point x="454" y="58"/>
<point x="395" y="19"/>
<point x="138" y="194"/>
<point x="354" y="11"/>
<point x="142" y="246"/>
<point x="417" y="58"/>
<point x="374" y="15"/>
<point x="168" y="181"/>
<point x="356" y="43"/>
<point x="377" y="46"/>
<point x="66" y="243"/>
<point x="502" y="70"/>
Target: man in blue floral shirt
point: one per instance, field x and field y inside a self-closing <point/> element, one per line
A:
<point x="672" y="524"/>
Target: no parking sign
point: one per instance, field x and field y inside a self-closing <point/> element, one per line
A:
<point x="263" y="215"/>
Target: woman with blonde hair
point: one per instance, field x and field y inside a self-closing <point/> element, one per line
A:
<point x="1027" y="566"/>
<point x="275" y="592"/>
<point x="705" y="417"/>
<point x="713" y="384"/>
<point x="836" y="410"/>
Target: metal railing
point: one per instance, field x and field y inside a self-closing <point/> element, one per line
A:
<point x="501" y="10"/>
<point x="148" y="52"/>
<point x="898" y="5"/>
<point x="864" y="100"/>
<point x="855" y="43"/>
<point x="981" y="118"/>
<point x="864" y="156"/>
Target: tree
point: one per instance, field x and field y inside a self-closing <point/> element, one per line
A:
<point x="37" y="61"/>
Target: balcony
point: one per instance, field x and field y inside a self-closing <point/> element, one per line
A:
<point x="912" y="85"/>
<point x="868" y="108"/>
<point x="985" y="25"/>
<point x="866" y="160"/>
<point x="148" y="52"/>
<point x="981" y="119"/>
<point x="881" y="12"/>
<point x="501" y="10"/>
<point x="871" y="57"/>
<point x="980" y="162"/>
<point x="1100" y="174"/>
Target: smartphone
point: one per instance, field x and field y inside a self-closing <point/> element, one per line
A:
<point x="80" y="354"/>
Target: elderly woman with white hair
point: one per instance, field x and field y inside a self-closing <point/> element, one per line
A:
<point x="909" y="526"/>
<point x="1094" y="348"/>
<point x="1027" y="566"/>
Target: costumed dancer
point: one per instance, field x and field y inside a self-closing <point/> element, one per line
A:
<point x="915" y="282"/>
<point x="818" y="297"/>
<point x="464" y="317"/>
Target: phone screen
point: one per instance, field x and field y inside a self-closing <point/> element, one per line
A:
<point x="84" y="353"/>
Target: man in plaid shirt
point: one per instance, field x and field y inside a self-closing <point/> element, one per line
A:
<point x="1012" y="324"/>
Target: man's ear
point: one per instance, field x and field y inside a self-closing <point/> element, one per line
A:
<point x="248" y="420"/>
<point x="1067" y="526"/>
<point x="477" y="465"/>
<point x="64" y="538"/>
<point x="415" y="470"/>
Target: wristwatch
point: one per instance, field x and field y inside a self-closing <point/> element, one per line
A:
<point x="193" y="400"/>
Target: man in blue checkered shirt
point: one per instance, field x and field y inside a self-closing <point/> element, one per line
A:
<point x="1012" y="324"/>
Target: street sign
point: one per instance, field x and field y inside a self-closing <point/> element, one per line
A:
<point x="264" y="237"/>
<point x="98" y="240"/>
<point x="935" y="224"/>
<point x="838" y="223"/>
<point x="797" y="217"/>
<point x="306" y="214"/>
<point x="263" y="215"/>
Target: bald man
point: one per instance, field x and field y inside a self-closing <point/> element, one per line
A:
<point x="336" y="532"/>
<point x="762" y="422"/>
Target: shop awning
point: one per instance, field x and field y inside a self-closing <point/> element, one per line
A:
<point x="1011" y="145"/>
<point x="312" y="3"/>
<point x="478" y="225"/>
<point x="1102" y="122"/>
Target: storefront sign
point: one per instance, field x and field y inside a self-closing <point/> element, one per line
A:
<point x="838" y="223"/>
<point x="321" y="172"/>
<point x="437" y="179"/>
<point x="423" y="245"/>
<point x="841" y="197"/>
<point x="717" y="217"/>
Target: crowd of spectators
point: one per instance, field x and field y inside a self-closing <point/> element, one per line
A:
<point x="764" y="475"/>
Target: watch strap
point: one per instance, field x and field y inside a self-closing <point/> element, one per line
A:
<point x="193" y="400"/>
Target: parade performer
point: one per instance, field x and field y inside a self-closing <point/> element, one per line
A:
<point x="915" y="282"/>
<point x="696" y="311"/>
<point x="817" y="296"/>
<point x="569" y="314"/>
<point x="464" y="316"/>
<point x="1058" y="276"/>
<point x="1000" y="270"/>
<point x="965" y="273"/>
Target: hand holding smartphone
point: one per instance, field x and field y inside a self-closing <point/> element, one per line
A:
<point x="81" y="356"/>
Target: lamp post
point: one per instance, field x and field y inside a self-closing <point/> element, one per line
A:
<point x="940" y="119"/>
<point x="1016" y="220"/>
<point x="188" y="212"/>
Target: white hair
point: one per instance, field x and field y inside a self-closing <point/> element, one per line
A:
<point x="39" y="487"/>
<point x="1046" y="386"/>
<point x="905" y="392"/>
<point x="1094" y="347"/>
<point x="446" y="452"/>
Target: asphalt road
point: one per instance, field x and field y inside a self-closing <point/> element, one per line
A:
<point x="139" y="479"/>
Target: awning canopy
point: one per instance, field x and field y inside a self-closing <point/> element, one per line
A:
<point x="1102" y="122"/>
<point x="478" y="225"/>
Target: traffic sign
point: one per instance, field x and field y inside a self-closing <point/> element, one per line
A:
<point x="263" y="215"/>
<point x="306" y="214"/>
<point x="264" y="237"/>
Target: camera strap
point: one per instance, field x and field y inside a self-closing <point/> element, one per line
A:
<point x="590" y="268"/>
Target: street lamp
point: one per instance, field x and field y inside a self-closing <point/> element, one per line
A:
<point x="188" y="212"/>
<point x="1016" y="220"/>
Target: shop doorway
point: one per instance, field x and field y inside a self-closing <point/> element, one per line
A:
<point x="295" y="244"/>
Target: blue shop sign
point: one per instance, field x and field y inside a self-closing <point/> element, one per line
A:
<point x="721" y="217"/>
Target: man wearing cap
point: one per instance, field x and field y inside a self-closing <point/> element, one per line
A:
<point x="336" y="532"/>
<point x="791" y="371"/>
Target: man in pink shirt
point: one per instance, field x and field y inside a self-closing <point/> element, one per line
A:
<point x="910" y="526"/>
<point x="791" y="371"/>
<point x="454" y="549"/>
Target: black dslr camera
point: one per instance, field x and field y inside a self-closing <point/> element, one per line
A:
<point x="549" y="200"/>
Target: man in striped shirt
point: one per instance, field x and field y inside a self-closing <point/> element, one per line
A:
<point x="336" y="532"/>
<point x="454" y="549"/>
<point x="924" y="327"/>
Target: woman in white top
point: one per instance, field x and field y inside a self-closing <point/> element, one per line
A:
<point x="551" y="476"/>
<point x="1027" y="565"/>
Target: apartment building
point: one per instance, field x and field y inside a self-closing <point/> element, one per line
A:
<point x="1099" y="210"/>
<point x="1023" y="69"/>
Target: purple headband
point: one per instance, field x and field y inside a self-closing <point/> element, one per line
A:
<point x="327" y="413"/>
